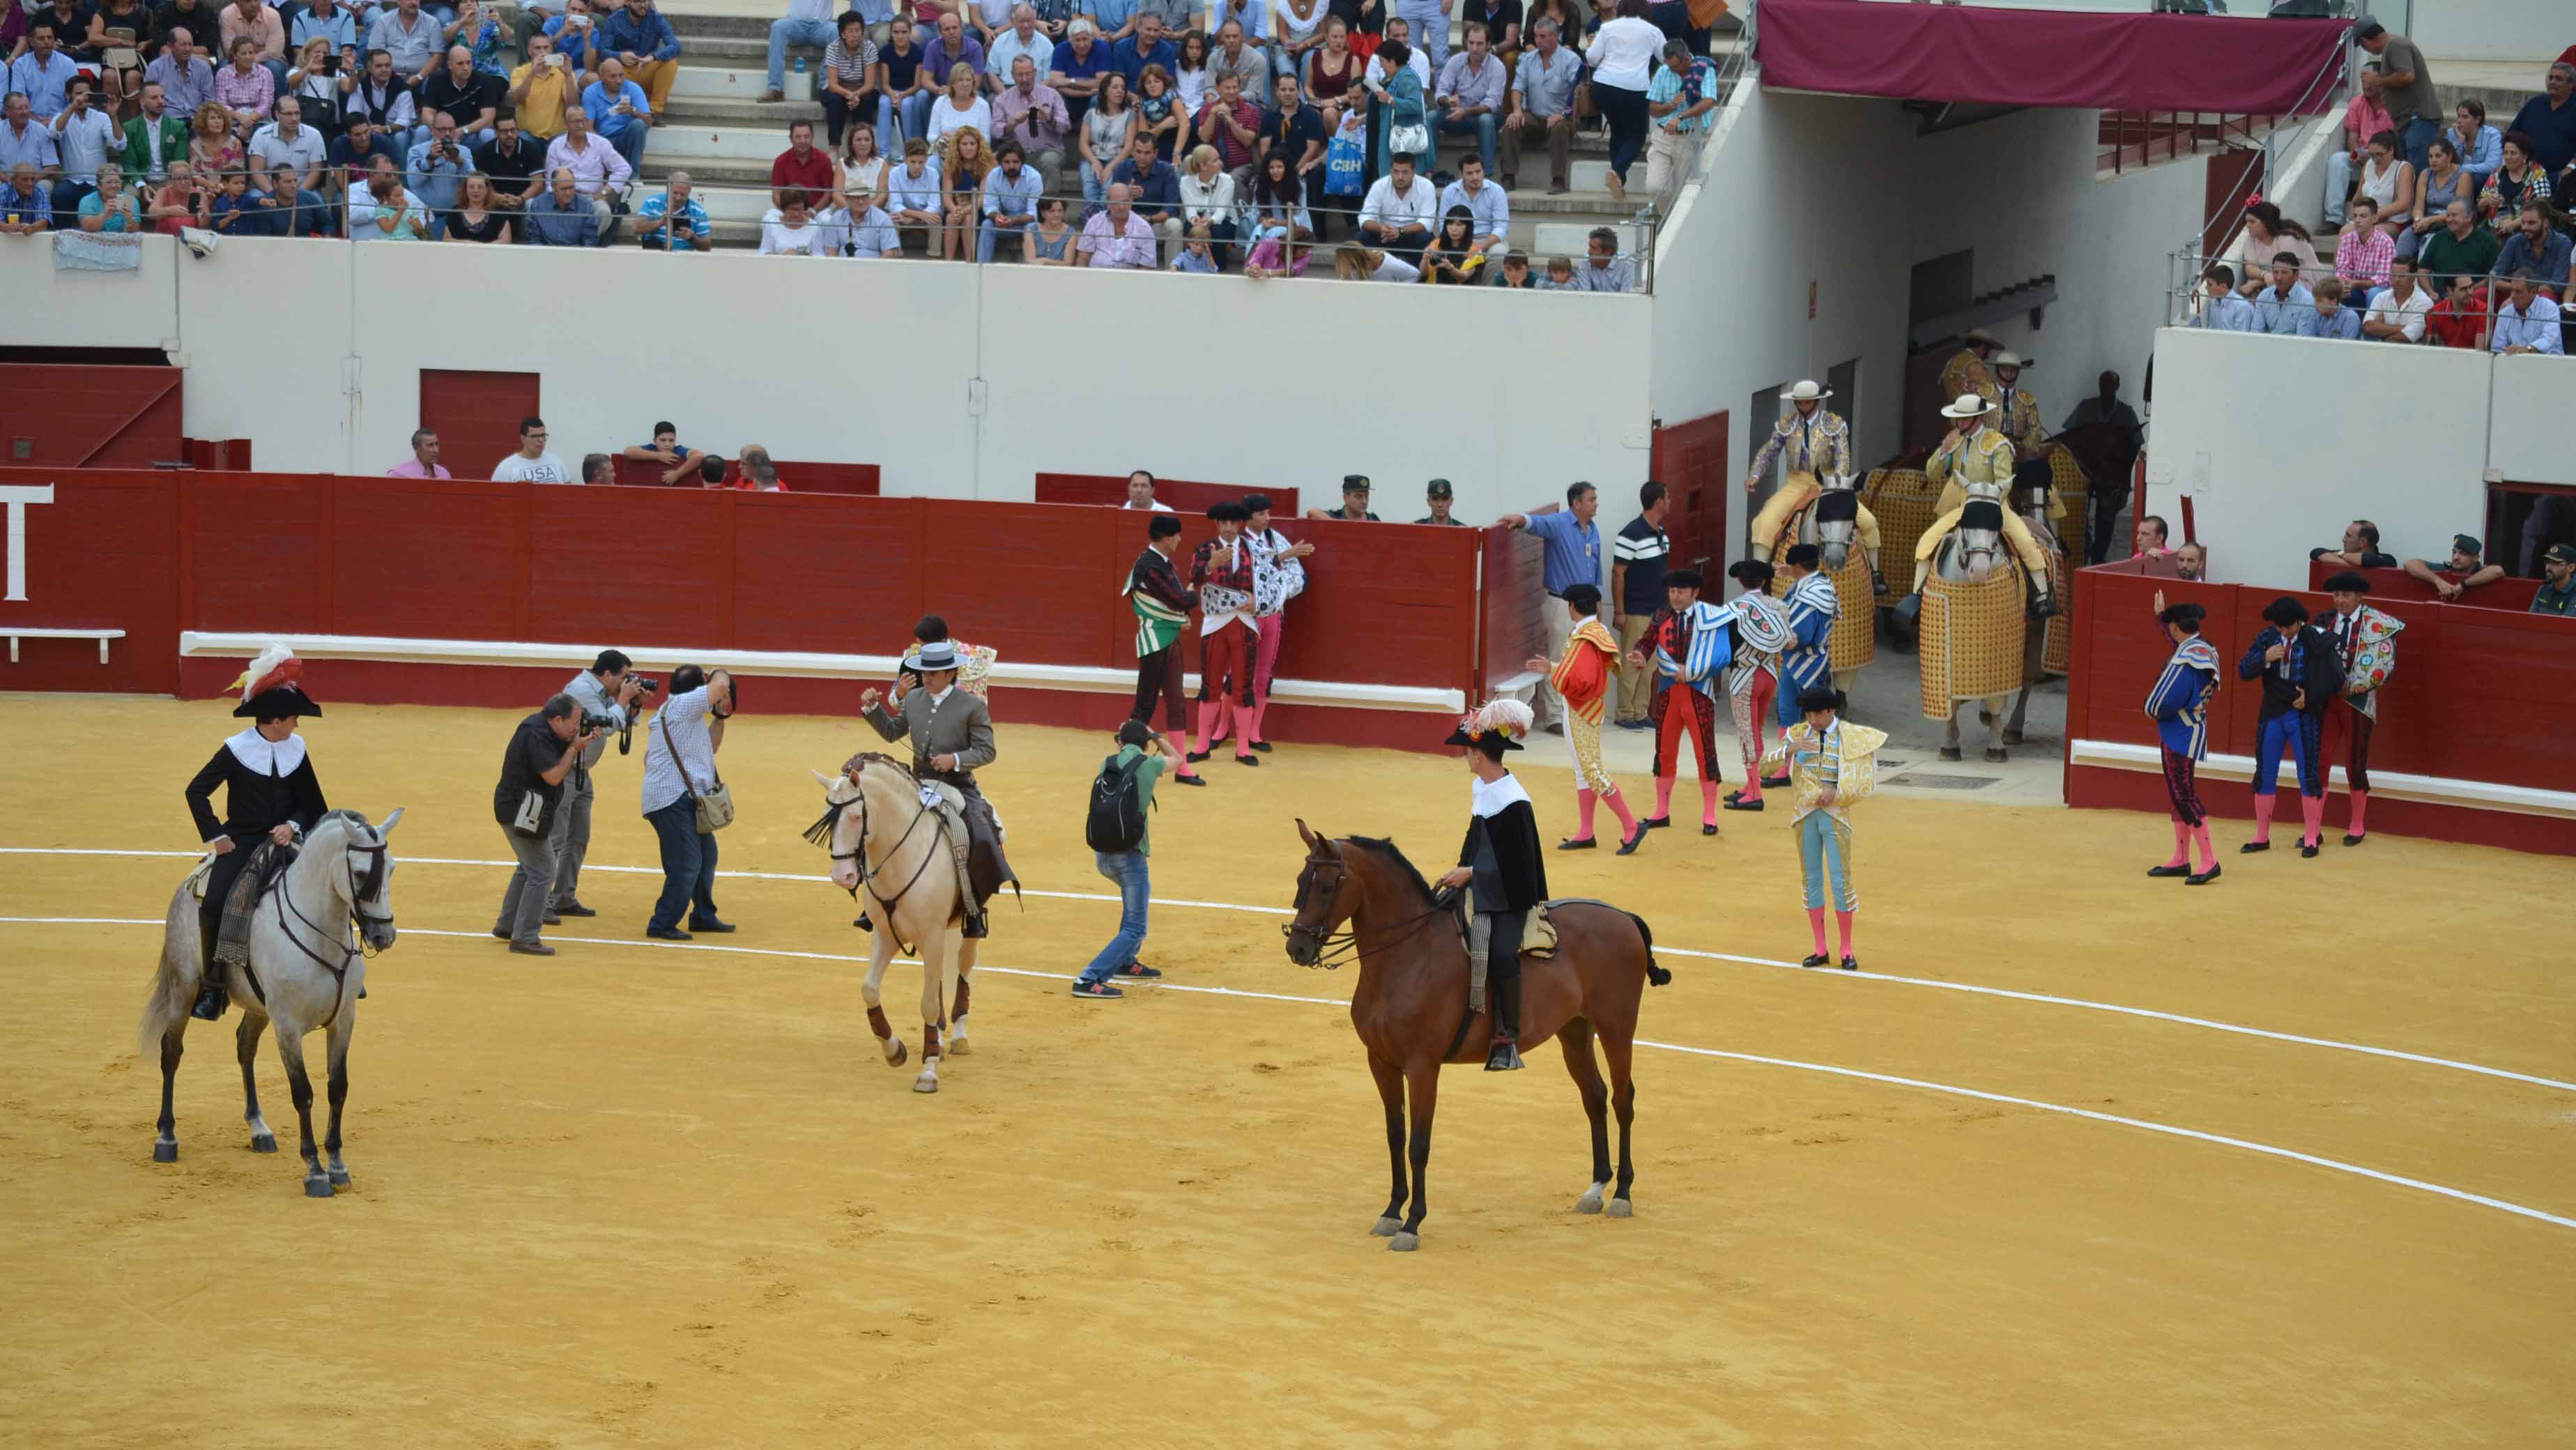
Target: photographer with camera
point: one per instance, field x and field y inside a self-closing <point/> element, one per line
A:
<point x="607" y="695"/>
<point x="685" y="801"/>
<point x="541" y="753"/>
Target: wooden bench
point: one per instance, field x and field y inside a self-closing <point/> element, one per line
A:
<point x="101" y="635"/>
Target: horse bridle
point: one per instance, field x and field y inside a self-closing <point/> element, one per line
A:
<point x="821" y="833"/>
<point x="1333" y="949"/>
<point x="360" y="890"/>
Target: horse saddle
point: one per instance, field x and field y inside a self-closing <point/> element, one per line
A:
<point x="267" y="863"/>
<point x="987" y="871"/>
<point x="1538" y="939"/>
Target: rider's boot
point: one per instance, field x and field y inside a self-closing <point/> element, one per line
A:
<point x="974" y="926"/>
<point x="1505" y="1054"/>
<point x="212" y="996"/>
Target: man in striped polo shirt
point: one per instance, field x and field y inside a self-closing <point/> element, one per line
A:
<point x="1162" y="605"/>
<point x="1638" y="558"/>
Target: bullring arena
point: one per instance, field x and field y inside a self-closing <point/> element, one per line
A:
<point x="2063" y="1166"/>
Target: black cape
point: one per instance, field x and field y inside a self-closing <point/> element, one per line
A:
<point x="267" y="784"/>
<point x="1502" y="849"/>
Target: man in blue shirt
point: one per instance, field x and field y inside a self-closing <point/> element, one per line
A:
<point x="2221" y="310"/>
<point x="2282" y="308"/>
<point x="1573" y="544"/>
<point x="1010" y="199"/>
<point x="645" y="45"/>
<point x="1146" y="47"/>
<point x="619" y="110"/>
<point x="2527" y="321"/>
<point x="2537" y="246"/>
<point x="2549" y="120"/>
<point x="675" y="221"/>
<point x="2331" y="320"/>
<point x="44" y="74"/>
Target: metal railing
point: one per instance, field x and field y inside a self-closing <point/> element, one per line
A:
<point x="2226" y="219"/>
<point x="624" y="224"/>
<point x="2186" y="303"/>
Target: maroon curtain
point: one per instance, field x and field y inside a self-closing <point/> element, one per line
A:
<point x="2140" y="62"/>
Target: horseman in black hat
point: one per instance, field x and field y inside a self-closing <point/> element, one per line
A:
<point x="1501" y="864"/>
<point x="271" y="798"/>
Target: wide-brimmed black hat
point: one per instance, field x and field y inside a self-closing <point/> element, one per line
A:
<point x="272" y="688"/>
<point x="1496" y="725"/>
<point x="2348" y="582"/>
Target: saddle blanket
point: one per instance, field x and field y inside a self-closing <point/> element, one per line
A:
<point x="1538" y="939"/>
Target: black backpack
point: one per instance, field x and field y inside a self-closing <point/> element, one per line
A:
<point x="1117" y="819"/>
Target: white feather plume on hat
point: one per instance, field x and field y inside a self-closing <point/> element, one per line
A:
<point x="275" y="666"/>
<point x="1502" y="715"/>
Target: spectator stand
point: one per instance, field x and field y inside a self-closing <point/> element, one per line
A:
<point x="2467" y="746"/>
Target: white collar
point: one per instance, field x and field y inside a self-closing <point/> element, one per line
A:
<point x="939" y="698"/>
<point x="1490" y="798"/>
<point x="279" y="758"/>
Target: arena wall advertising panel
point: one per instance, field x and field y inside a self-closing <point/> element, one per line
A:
<point x="2467" y="744"/>
<point x="422" y="591"/>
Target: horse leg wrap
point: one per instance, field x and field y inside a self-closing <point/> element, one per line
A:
<point x="877" y="1022"/>
<point x="963" y="986"/>
<point x="929" y="1039"/>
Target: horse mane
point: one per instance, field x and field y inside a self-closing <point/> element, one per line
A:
<point x="874" y="757"/>
<point x="1386" y="849"/>
<point x="348" y="817"/>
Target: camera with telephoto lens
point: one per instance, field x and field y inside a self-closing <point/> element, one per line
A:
<point x="644" y="688"/>
<point x="601" y="723"/>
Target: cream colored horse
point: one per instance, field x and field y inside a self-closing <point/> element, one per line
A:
<point x="886" y="840"/>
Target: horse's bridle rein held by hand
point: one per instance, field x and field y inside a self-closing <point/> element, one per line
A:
<point x="1333" y="949"/>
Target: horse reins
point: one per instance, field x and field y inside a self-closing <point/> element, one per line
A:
<point x="358" y="893"/>
<point x="826" y="827"/>
<point x="1336" y="949"/>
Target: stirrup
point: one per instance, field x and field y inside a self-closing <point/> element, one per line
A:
<point x="973" y="930"/>
<point x="1504" y="1056"/>
<point x="863" y="923"/>
<point x="212" y="1000"/>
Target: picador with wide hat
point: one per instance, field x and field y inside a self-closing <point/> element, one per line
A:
<point x="1501" y="864"/>
<point x="271" y="798"/>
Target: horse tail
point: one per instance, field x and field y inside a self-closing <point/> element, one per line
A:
<point x="1655" y="976"/>
<point x="172" y="993"/>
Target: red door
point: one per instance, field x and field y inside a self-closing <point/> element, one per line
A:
<point x="77" y="415"/>
<point x="1690" y="460"/>
<point x="476" y="416"/>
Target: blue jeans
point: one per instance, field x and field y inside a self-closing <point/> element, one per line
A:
<point x="989" y="233"/>
<point x="791" y="31"/>
<point x="1127" y="868"/>
<point x="2417" y="137"/>
<point x="916" y="122"/>
<point x="1480" y="127"/>
<point x="630" y="144"/>
<point x="688" y="864"/>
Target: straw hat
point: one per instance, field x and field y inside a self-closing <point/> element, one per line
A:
<point x="1968" y="405"/>
<point x="1805" y="391"/>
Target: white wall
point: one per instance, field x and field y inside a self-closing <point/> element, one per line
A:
<point x="1511" y="397"/>
<point x="46" y="308"/>
<point x="2533" y="30"/>
<point x="2301" y="437"/>
<point x="2535" y="400"/>
<point x="1844" y="194"/>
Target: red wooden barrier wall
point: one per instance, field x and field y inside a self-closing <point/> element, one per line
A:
<point x="1183" y="495"/>
<point x="155" y="553"/>
<point x="2479" y="695"/>
<point x="2396" y="585"/>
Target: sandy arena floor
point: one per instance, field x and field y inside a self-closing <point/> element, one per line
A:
<point x="658" y="1196"/>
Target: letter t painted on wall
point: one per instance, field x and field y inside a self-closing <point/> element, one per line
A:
<point x="17" y="499"/>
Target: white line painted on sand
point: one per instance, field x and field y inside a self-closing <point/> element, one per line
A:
<point x="2180" y="1019"/>
<point x="1856" y="1074"/>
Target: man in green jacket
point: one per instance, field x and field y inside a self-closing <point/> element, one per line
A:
<point x="154" y="138"/>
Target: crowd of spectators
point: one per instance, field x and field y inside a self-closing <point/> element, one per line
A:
<point x="2451" y="236"/>
<point x="1262" y="122"/>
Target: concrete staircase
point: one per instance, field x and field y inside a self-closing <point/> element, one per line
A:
<point x="719" y="132"/>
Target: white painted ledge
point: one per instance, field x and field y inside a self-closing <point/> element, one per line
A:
<point x="195" y="644"/>
<point x="2437" y="790"/>
<point x="101" y="635"/>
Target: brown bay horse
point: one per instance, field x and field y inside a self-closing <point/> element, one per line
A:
<point x="1410" y="1005"/>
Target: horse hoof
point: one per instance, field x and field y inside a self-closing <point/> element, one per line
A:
<point x="264" y="1143"/>
<point x="165" y="1152"/>
<point x="957" y="1044"/>
<point x="1949" y="752"/>
<point x="1404" y="1243"/>
<point x="926" y="1083"/>
<point x="339" y="1178"/>
<point x="1386" y="1227"/>
<point x="2012" y="737"/>
<point x="1590" y="1202"/>
<point x="897" y="1053"/>
<point x="1998" y="755"/>
<point x="317" y="1187"/>
<point x="1620" y="1208"/>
